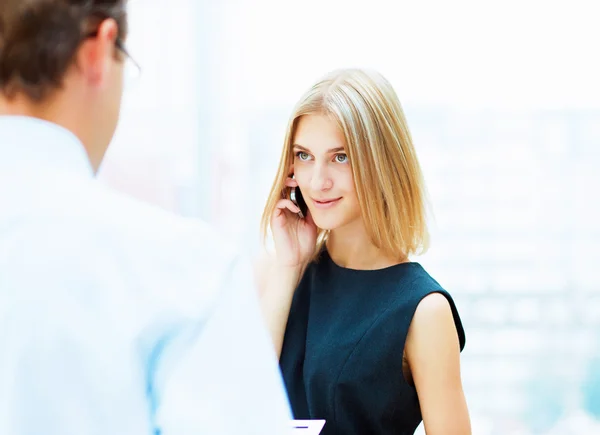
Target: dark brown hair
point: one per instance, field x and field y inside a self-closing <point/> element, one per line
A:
<point x="39" y="40"/>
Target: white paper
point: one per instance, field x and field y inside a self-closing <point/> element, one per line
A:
<point x="307" y="427"/>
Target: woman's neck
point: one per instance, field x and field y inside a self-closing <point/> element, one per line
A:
<point x="352" y="248"/>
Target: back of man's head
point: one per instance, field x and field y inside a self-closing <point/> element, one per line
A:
<point x="39" y="40"/>
<point x="62" y="61"/>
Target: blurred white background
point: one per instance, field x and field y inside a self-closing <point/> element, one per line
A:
<point x="503" y="101"/>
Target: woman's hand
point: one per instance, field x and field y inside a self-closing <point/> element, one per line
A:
<point x="294" y="237"/>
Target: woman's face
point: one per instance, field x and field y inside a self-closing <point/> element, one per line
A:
<point x="324" y="173"/>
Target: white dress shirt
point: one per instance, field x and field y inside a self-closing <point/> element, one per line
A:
<point x="116" y="317"/>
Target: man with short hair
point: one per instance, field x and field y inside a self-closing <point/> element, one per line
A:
<point x="115" y="317"/>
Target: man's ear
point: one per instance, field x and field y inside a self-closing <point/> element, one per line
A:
<point x="96" y="56"/>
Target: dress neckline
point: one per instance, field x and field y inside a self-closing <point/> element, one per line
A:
<point x="327" y="257"/>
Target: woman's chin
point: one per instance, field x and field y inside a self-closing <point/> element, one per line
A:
<point x="326" y="223"/>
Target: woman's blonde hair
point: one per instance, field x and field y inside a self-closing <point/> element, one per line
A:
<point x="387" y="176"/>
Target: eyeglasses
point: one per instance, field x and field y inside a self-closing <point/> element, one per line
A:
<point x="133" y="71"/>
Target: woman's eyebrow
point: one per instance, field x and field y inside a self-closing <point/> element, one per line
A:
<point x="330" y="151"/>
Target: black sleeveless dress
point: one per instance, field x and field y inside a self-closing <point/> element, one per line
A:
<point x="342" y="352"/>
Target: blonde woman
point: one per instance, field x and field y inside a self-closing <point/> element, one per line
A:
<point x="367" y="339"/>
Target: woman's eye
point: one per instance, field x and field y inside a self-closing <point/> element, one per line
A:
<point x="341" y="158"/>
<point x="302" y="155"/>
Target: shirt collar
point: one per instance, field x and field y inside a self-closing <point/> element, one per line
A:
<point x="33" y="142"/>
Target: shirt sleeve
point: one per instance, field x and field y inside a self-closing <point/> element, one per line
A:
<point x="225" y="379"/>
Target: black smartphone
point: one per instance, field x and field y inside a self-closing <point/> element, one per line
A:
<point x="298" y="199"/>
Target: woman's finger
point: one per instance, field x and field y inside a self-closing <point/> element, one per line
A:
<point x="286" y="203"/>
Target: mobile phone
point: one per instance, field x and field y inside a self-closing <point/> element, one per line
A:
<point x="298" y="200"/>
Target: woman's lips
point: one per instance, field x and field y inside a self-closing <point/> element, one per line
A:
<point x="325" y="203"/>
